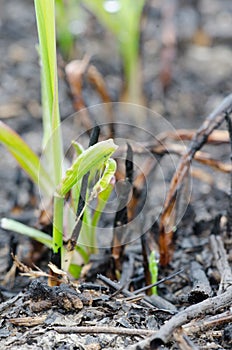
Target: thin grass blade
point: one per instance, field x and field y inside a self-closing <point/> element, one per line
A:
<point x="45" y="16"/>
<point x="18" y="227"/>
<point x="25" y="157"/>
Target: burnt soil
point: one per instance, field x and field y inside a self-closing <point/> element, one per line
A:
<point x="35" y="316"/>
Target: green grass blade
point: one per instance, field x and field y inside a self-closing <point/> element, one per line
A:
<point x="153" y="268"/>
<point x="64" y="36"/>
<point x="94" y="157"/>
<point x="25" y="157"/>
<point x="125" y="25"/>
<point x="58" y="223"/>
<point x="45" y="16"/>
<point x="18" y="227"/>
<point x="102" y="198"/>
<point x="46" y="33"/>
<point x="83" y="253"/>
<point x="87" y="236"/>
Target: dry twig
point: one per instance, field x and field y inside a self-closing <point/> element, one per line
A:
<point x="229" y="209"/>
<point x="74" y="72"/>
<point x="168" y="216"/>
<point x="201" y="287"/>
<point x="210" y="322"/>
<point x="121" y="216"/>
<point x="192" y="312"/>
<point x="216" y="137"/>
<point x="183" y="340"/>
<point x="222" y="263"/>
<point x="107" y="330"/>
<point x="28" y="321"/>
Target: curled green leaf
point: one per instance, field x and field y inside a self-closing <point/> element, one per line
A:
<point x="105" y="179"/>
<point x="78" y="147"/>
<point x="94" y="157"/>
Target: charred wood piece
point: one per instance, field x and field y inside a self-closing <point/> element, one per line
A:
<point x="201" y="287"/>
<point x="229" y="209"/>
<point x="121" y="217"/>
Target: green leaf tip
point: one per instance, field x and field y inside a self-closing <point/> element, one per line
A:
<point x="25" y="157"/>
<point x="94" y="157"/>
<point x="16" y="226"/>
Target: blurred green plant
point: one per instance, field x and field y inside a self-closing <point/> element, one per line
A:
<point x="96" y="159"/>
<point x="65" y="38"/>
<point x="122" y="18"/>
<point x="153" y="262"/>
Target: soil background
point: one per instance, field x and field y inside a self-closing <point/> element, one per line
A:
<point x="200" y="78"/>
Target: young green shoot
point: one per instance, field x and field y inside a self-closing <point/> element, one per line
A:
<point x="26" y="158"/>
<point x="18" y="227"/>
<point x="124" y="23"/>
<point x="96" y="159"/>
<point x="153" y="268"/>
<point x="52" y="141"/>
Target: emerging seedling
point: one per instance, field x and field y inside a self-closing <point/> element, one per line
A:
<point x="96" y="159"/>
<point x="124" y="22"/>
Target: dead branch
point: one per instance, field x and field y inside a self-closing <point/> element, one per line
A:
<point x="95" y="78"/>
<point x="128" y="267"/>
<point x="202" y="175"/>
<point x="183" y="340"/>
<point x="143" y="289"/>
<point x="199" y="156"/>
<point x="201" y="287"/>
<point x="139" y="185"/>
<point x="121" y="216"/>
<point x="145" y="254"/>
<point x="210" y="322"/>
<point x="75" y="71"/>
<point x="210" y="305"/>
<point x="107" y="330"/>
<point x="167" y="220"/>
<point x="222" y="263"/>
<point x="145" y="301"/>
<point x="28" y="321"/>
<point x="8" y="303"/>
<point x="229" y="209"/>
<point x="180" y="150"/>
<point x="216" y="137"/>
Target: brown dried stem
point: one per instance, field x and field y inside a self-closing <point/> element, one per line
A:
<point x="183" y="340"/>
<point x="167" y="221"/>
<point x="210" y="322"/>
<point x="222" y="263"/>
<point x="76" y="71"/>
<point x="210" y="305"/>
<point x="107" y="330"/>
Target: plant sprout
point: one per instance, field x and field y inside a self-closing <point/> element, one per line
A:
<point x="153" y="268"/>
<point x="122" y="18"/>
<point x="96" y="159"/>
